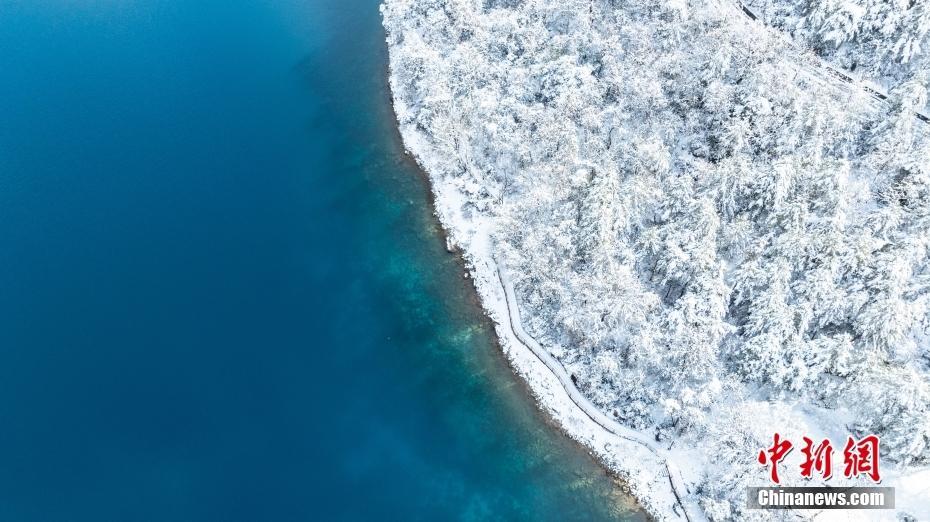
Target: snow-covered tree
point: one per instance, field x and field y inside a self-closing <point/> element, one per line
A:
<point x="694" y="225"/>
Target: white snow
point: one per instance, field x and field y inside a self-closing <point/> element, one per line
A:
<point x="620" y="178"/>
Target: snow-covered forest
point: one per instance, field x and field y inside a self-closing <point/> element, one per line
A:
<point x="715" y="239"/>
<point x="881" y="40"/>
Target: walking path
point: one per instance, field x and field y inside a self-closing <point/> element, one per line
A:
<point x="690" y="510"/>
<point x="872" y="90"/>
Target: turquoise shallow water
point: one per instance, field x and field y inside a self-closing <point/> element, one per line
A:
<point x="222" y="293"/>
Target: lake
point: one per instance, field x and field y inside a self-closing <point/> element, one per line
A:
<point x="223" y="295"/>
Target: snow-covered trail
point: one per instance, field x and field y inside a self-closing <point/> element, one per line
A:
<point x="691" y="512"/>
<point x="831" y="71"/>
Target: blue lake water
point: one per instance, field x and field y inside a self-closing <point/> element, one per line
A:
<point x="222" y="293"/>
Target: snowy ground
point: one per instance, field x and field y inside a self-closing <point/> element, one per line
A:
<point x="630" y="454"/>
<point x="667" y="478"/>
<point x="655" y="477"/>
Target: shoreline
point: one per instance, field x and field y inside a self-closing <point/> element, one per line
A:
<point x="552" y="399"/>
<point x="469" y="236"/>
<point x="474" y="296"/>
<point x="515" y="325"/>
